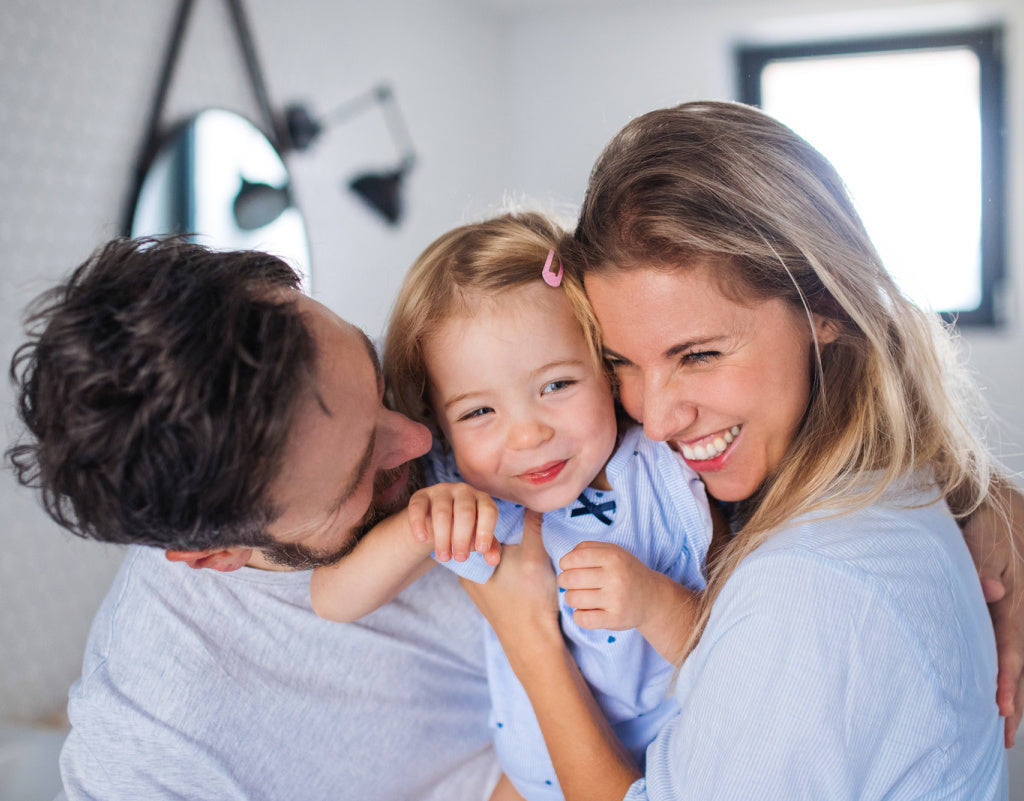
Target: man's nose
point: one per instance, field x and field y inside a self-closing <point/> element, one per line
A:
<point x="403" y="440"/>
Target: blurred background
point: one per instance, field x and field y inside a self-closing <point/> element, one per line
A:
<point x="467" y="106"/>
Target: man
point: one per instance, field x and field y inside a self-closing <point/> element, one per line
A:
<point x="197" y="403"/>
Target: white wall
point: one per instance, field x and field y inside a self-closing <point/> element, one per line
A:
<point x="505" y="96"/>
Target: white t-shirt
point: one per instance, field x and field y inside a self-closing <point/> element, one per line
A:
<point x="205" y="685"/>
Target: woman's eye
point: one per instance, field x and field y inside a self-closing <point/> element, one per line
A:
<point x="700" y="357"/>
<point x="475" y="413"/>
<point x="554" y="386"/>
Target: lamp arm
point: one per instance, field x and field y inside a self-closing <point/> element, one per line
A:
<point x="399" y="131"/>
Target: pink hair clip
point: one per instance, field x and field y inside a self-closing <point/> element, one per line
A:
<point x="552" y="278"/>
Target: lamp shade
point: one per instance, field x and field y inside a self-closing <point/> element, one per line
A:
<point x="381" y="191"/>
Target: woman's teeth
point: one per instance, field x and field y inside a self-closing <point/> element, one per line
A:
<point x="711" y="449"/>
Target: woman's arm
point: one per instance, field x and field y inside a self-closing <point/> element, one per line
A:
<point x="520" y="602"/>
<point x="1000" y="563"/>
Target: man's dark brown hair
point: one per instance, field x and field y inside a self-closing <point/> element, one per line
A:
<point x="157" y="386"/>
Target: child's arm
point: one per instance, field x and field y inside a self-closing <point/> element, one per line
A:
<point x="609" y="588"/>
<point x="386" y="561"/>
<point x="396" y="552"/>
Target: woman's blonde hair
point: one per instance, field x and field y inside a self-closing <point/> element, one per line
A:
<point x="458" y="275"/>
<point x="724" y="184"/>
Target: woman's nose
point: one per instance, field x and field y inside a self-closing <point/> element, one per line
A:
<point x="665" y="411"/>
<point x="402" y="440"/>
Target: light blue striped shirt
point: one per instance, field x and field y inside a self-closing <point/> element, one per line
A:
<point x="846" y="658"/>
<point x="658" y="511"/>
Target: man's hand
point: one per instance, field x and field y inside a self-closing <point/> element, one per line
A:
<point x="458" y="518"/>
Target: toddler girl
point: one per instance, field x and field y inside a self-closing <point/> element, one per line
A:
<point x="497" y="354"/>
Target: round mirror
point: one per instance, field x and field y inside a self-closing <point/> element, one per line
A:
<point x="218" y="177"/>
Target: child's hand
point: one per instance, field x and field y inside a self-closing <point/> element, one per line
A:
<point x="458" y="518"/>
<point x="607" y="587"/>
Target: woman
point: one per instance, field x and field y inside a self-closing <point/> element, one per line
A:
<point x="843" y="648"/>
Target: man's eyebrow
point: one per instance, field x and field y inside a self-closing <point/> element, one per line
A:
<point x="374" y="358"/>
<point x="364" y="462"/>
<point x="357" y="477"/>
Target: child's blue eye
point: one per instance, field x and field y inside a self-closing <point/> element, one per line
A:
<point x="554" y="386"/>
<point x="476" y="413"/>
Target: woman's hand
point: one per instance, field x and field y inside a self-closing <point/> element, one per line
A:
<point x="1000" y="563"/>
<point x="520" y="600"/>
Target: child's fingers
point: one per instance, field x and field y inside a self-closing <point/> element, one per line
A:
<point x="441" y="524"/>
<point x="418" y="511"/>
<point x="486" y="520"/>
<point x="581" y="578"/>
<point x="584" y="599"/>
<point x="596" y="619"/>
<point x="586" y="554"/>
<point x="464" y="515"/>
<point x="493" y="553"/>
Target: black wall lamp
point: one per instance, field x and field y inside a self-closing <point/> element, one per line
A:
<point x="258" y="204"/>
<point x="381" y="190"/>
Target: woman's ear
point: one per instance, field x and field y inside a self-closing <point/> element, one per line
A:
<point x="826" y="330"/>
<point x="223" y="559"/>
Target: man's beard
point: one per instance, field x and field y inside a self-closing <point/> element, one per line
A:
<point x="300" y="557"/>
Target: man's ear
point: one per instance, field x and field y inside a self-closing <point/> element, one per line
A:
<point x="223" y="559"/>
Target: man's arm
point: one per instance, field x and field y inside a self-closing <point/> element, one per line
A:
<point x="1000" y="563"/>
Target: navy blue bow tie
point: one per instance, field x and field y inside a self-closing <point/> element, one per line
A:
<point x="596" y="509"/>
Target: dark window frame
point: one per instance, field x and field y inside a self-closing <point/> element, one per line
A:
<point x="987" y="45"/>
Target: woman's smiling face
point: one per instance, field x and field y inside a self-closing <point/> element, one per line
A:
<point x="726" y="384"/>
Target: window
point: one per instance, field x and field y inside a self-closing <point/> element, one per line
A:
<point x="914" y="126"/>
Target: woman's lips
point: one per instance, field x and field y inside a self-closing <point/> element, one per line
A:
<point x="545" y="473"/>
<point x="709" y="454"/>
<point x="707" y="448"/>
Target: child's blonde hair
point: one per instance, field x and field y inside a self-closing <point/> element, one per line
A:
<point x="459" y="274"/>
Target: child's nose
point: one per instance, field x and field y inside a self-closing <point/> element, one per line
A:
<point x="529" y="433"/>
